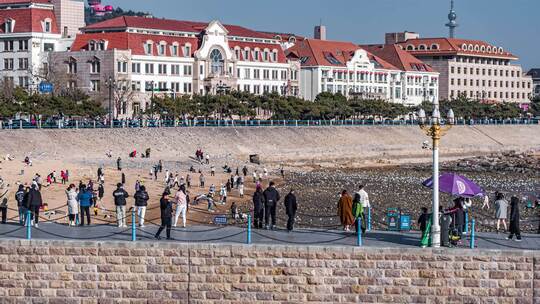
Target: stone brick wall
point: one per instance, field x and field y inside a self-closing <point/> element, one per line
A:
<point x="142" y="272"/>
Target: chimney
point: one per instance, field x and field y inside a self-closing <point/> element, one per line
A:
<point x="320" y="32"/>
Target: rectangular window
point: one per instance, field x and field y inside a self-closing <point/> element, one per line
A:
<point x="266" y="74"/>
<point x="257" y="89"/>
<point x="187" y="87"/>
<point x="162" y="86"/>
<point x="257" y="74"/>
<point x="188" y="70"/>
<point x="96" y="86"/>
<point x="8" y="45"/>
<point x="95" y="67"/>
<point x="175" y="87"/>
<point x="284" y="75"/>
<point x="136" y="68"/>
<point x="187" y="51"/>
<point x="149" y="68"/>
<point x="23" y="45"/>
<point x="121" y="67"/>
<point x="162" y="69"/>
<point x="247" y="88"/>
<point x="274" y="75"/>
<point x="247" y="73"/>
<point x="23" y="63"/>
<point x="48" y="47"/>
<point x="136" y="86"/>
<point x="175" y="69"/>
<point x="201" y="70"/>
<point x="174" y="50"/>
<point x="149" y="86"/>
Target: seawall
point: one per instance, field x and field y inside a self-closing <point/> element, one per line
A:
<point x="123" y="272"/>
<point x="348" y="146"/>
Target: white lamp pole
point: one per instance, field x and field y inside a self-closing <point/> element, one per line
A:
<point x="435" y="130"/>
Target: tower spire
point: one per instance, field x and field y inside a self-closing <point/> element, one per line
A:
<point x="452" y="17"/>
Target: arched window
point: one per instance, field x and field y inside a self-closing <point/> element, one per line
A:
<point x="434" y="46"/>
<point x="476" y="48"/>
<point x="410" y="47"/>
<point x="489" y="49"/>
<point x="292" y="39"/>
<point x="471" y="48"/>
<point x="464" y="47"/>
<point x="274" y="56"/>
<point x="216" y="61"/>
<point x="501" y="50"/>
<point x="91" y="45"/>
<point x="246" y="54"/>
<point x="483" y="48"/>
<point x="422" y="47"/>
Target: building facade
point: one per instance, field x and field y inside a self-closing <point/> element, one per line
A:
<point x="29" y="33"/>
<point x="535" y="76"/>
<point x="147" y="56"/>
<point x="356" y="72"/>
<point x="470" y="68"/>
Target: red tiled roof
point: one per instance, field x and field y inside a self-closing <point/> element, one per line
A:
<point x="133" y="41"/>
<point x="284" y="36"/>
<point x="315" y="52"/>
<point x="252" y="45"/>
<point x="28" y="20"/>
<point x="3" y="2"/>
<point x="171" y="25"/>
<point x="398" y="57"/>
<point x="453" y="46"/>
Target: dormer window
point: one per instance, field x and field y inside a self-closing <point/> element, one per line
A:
<point x="101" y="45"/>
<point x="174" y="49"/>
<point x="148" y="48"/>
<point x="9" y="26"/>
<point x="274" y="56"/>
<point x="92" y="45"/>
<point x="246" y="54"/>
<point x="47" y="25"/>
<point x="187" y="50"/>
<point x="265" y="55"/>
<point x="162" y="47"/>
<point x="237" y="54"/>
<point x="256" y="55"/>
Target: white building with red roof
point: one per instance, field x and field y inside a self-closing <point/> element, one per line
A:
<point x="29" y="31"/>
<point x="471" y="68"/>
<point x="147" y="56"/>
<point x="356" y="71"/>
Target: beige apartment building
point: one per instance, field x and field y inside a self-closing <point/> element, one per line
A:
<point x="471" y="68"/>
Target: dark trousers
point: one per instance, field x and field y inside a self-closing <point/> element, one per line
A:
<point x="85" y="209"/>
<point x="165" y="222"/>
<point x="270" y="212"/>
<point x="258" y="218"/>
<point x="362" y="225"/>
<point x="3" y="210"/>
<point x="72" y="217"/>
<point x="35" y="213"/>
<point x="290" y="222"/>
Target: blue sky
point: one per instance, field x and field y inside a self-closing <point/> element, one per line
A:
<point x="512" y="24"/>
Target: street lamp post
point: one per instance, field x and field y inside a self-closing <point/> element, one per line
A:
<point x="436" y="131"/>
<point x="111" y="84"/>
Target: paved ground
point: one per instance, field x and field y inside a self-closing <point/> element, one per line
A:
<point x="232" y="234"/>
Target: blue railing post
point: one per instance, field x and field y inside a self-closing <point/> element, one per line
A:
<point x="249" y="230"/>
<point x="359" y="231"/>
<point x="466" y="229"/>
<point x="369" y="219"/>
<point x="472" y="233"/>
<point x="133" y="226"/>
<point x="28" y="225"/>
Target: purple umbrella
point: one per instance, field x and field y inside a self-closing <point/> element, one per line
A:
<point x="456" y="185"/>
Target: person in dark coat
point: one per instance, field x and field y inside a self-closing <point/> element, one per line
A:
<point x="119" y="164"/>
<point x="458" y="216"/>
<point x="166" y="216"/>
<point x="141" y="202"/>
<point x="258" y="208"/>
<point x="19" y="197"/>
<point x="290" y="209"/>
<point x="33" y="203"/>
<point x="514" y="219"/>
<point x="423" y="219"/>
<point x="85" y="201"/>
<point x="271" y="198"/>
<point x="123" y="178"/>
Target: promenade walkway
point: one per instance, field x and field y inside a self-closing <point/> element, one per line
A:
<point x="234" y="234"/>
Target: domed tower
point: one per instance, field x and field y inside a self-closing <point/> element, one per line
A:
<point x="452" y="17"/>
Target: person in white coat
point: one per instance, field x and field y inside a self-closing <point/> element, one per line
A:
<point x="73" y="204"/>
<point x="181" y="206"/>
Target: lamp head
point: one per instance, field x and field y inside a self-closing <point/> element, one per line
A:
<point x="421" y="116"/>
<point x="451" y="117"/>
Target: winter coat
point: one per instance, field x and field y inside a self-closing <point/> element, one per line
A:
<point x="141" y="198"/>
<point x="345" y="213"/>
<point x="166" y="208"/>
<point x="85" y="198"/>
<point x="33" y="199"/>
<point x="120" y="196"/>
<point x="514" y="216"/>
<point x="271" y="196"/>
<point x="502" y="209"/>
<point x="72" y="203"/>
<point x="19" y="197"/>
<point x="258" y="201"/>
<point x="290" y="204"/>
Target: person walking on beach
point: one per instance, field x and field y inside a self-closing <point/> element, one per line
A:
<point x="141" y="202"/>
<point x="19" y="197"/>
<point x="101" y="192"/>
<point x="514" y="219"/>
<point x="202" y="179"/>
<point x="223" y="195"/>
<point x="344" y="212"/>
<point x="4" y="194"/>
<point x="258" y="208"/>
<point x="85" y="201"/>
<point x="120" y="196"/>
<point x="485" y="204"/>
<point x="362" y="198"/>
<point x="241" y="189"/>
<point x="290" y="209"/>
<point x="424" y="221"/>
<point x="271" y="198"/>
<point x="181" y="206"/>
<point x="501" y="211"/>
<point x="72" y="204"/>
<point x="34" y="201"/>
<point x="165" y="205"/>
<point x="119" y="164"/>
